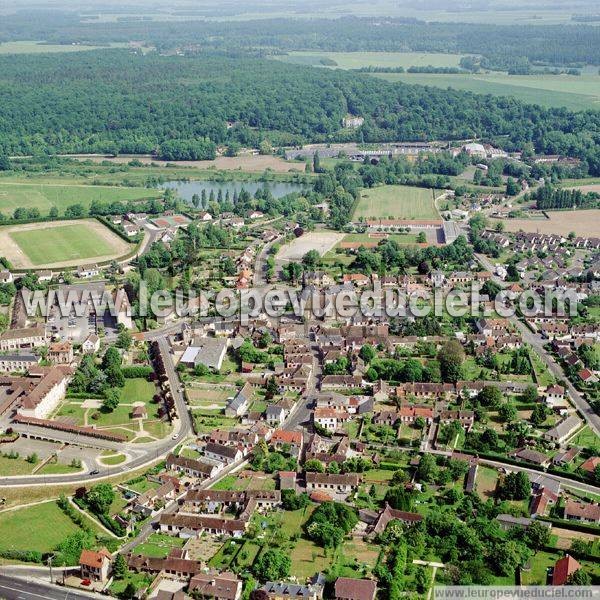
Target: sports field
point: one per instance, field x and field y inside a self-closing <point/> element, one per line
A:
<point x="397" y="202"/>
<point x="573" y="92"/>
<point x="44" y="196"/>
<point x="60" y="243"/>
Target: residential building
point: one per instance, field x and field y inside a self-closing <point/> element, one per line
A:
<point x="216" y="586"/>
<point x="95" y="566"/>
<point x="347" y="588"/>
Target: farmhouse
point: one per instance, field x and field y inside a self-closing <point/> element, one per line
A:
<point x="239" y="404"/>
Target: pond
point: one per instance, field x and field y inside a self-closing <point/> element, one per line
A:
<point x="187" y="189"/>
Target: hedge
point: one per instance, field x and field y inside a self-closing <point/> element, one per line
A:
<point x="32" y="556"/>
<point x="84" y="396"/>
<point x="573" y="525"/>
<point x="117" y="230"/>
<point x="137" y="372"/>
<point x="75" y="516"/>
<point x="111" y="524"/>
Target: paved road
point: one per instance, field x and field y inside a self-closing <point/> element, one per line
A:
<point x="538" y="343"/>
<point x="17" y="588"/>
<point x="145" y="455"/>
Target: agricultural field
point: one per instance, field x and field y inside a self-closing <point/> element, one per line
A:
<point x="573" y="92"/>
<point x="356" y="60"/>
<point x="397" y="202"/>
<point x="44" y="196"/>
<point x="60" y="243"/>
<point x="582" y="222"/>
<point x="33" y="47"/>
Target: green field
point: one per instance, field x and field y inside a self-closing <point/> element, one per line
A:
<point x="397" y="202"/>
<point x="44" y="196"/>
<point x="32" y="47"/>
<point x="40" y="527"/>
<point x="356" y="60"/>
<point x="57" y="244"/>
<point x="576" y="93"/>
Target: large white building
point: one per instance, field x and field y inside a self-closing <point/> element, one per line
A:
<point x="46" y="394"/>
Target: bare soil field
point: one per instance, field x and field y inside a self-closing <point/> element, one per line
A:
<point x="19" y="259"/>
<point x="251" y="163"/>
<point x="321" y="241"/>
<point x="582" y="222"/>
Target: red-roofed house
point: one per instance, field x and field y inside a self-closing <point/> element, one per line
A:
<point x="95" y="566"/>
<point x="347" y="588"/>
<point x="563" y="568"/>
<point x="589" y="466"/>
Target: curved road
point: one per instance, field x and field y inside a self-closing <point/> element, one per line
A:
<point x="147" y="454"/>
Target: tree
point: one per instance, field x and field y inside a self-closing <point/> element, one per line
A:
<point x="421" y="238"/>
<point x="367" y="353"/>
<point x="507" y="412"/>
<point x="451" y="357"/>
<point x="291" y="500"/>
<point x="124" y="340"/>
<point x="258" y="595"/>
<point x="427" y="468"/>
<point x="512" y="187"/>
<point x="399" y="498"/>
<point x="537" y="535"/>
<point x="311" y="258"/>
<point x="272" y="565"/>
<point x="530" y="395"/>
<point x="4" y="163"/>
<point x="539" y="414"/>
<point x="119" y="567"/>
<point x="111" y="400"/>
<point x="100" y="497"/>
<point x="129" y="592"/>
<point x="579" y="577"/>
<point x="314" y="465"/>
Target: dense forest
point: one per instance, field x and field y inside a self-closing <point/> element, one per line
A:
<point x="503" y="46"/>
<point x="119" y="101"/>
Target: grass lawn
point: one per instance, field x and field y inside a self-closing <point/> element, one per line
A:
<point x="137" y="390"/>
<point x="113" y="459"/>
<point x="57" y="469"/>
<point x="159" y="545"/>
<point x="365" y="238"/>
<point x="226" y="554"/>
<point x="542" y="374"/>
<point x="66" y="242"/>
<point x="206" y="423"/>
<point x="397" y="202"/>
<point x="139" y="580"/>
<point x="585" y="439"/>
<point x="308" y="559"/>
<point x="41" y="527"/>
<point x="485" y="482"/>
<point x="44" y="196"/>
<point x="14" y="466"/>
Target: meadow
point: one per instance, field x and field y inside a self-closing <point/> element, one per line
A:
<point x="397" y="202"/>
<point x="41" y="527"/>
<point x="57" y="243"/>
<point x="44" y="196"/>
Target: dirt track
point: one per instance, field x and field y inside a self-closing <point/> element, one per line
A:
<point x="321" y="241"/>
